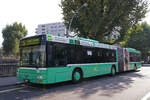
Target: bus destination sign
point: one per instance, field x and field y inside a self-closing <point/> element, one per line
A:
<point x="30" y="41"/>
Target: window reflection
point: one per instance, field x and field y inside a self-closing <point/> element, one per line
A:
<point x="33" y="56"/>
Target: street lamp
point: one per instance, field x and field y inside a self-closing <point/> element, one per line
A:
<point x="84" y="5"/>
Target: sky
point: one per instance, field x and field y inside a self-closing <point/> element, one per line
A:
<point x="31" y="13"/>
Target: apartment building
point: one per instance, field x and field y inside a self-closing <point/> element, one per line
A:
<point x="56" y="29"/>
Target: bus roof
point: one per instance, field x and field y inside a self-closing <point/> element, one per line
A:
<point x="81" y="41"/>
<point x="133" y="50"/>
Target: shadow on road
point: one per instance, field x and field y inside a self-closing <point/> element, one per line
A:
<point x="103" y="85"/>
<point x="108" y="86"/>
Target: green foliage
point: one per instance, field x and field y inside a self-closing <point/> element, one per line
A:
<point x="138" y="38"/>
<point x="15" y="50"/>
<point x="103" y="17"/>
<point x="12" y="34"/>
<point x="1" y="52"/>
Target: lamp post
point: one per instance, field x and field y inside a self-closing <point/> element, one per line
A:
<point x="68" y="31"/>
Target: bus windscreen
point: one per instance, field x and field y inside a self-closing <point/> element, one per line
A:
<point x="33" y="56"/>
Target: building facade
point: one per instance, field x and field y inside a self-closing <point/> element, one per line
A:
<point x="56" y="29"/>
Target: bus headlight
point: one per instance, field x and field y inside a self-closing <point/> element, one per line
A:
<point x="39" y="77"/>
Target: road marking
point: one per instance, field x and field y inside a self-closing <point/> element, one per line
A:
<point x="9" y="90"/>
<point x="31" y="87"/>
<point x="24" y="91"/>
<point x="146" y="96"/>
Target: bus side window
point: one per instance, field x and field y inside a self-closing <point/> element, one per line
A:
<point x="49" y="56"/>
<point x="104" y="56"/>
<point x="100" y="58"/>
<point x="60" y="59"/>
<point x="79" y="54"/>
<point x="71" y="55"/>
<point x="112" y="56"/>
<point x="131" y="57"/>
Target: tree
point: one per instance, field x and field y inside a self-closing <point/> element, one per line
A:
<point x="12" y="34"/>
<point x="1" y="52"/>
<point x="138" y="38"/>
<point x="101" y="18"/>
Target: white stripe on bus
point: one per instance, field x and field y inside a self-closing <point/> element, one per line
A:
<point x="68" y="65"/>
<point x="33" y="68"/>
<point x="90" y="64"/>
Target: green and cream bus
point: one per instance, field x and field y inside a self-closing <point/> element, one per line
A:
<point x="46" y="59"/>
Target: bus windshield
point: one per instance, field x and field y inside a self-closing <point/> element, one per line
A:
<point x="33" y="56"/>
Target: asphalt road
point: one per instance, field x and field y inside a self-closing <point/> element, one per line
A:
<point x="125" y="86"/>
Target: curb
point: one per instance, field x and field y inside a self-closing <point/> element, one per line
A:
<point x="18" y="83"/>
<point x="3" y="76"/>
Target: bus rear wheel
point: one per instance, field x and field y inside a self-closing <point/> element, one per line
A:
<point x="135" y="67"/>
<point x="77" y="76"/>
<point x="113" y="71"/>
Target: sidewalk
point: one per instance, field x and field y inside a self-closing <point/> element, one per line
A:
<point x="7" y="81"/>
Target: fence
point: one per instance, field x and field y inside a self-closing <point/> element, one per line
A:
<point x="8" y="66"/>
<point x="8" y="69"/>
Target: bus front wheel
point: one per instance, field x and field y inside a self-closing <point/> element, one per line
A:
<point x="77" y="76"/>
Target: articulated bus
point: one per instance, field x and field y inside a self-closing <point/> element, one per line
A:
<point x="46" y="59"/>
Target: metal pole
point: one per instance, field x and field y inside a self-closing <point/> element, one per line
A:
<point x="68" y="31"/>
<point x="70" y="24"/>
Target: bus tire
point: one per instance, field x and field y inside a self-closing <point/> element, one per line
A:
<point x="113" y="71"/>
<point x="77" y="76"/>
<point x="135" y="67"/>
